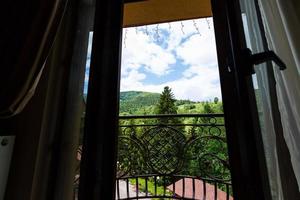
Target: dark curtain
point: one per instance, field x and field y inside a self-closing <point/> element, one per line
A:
<point x="28" y="30"/>
<point x="44" y="54"/>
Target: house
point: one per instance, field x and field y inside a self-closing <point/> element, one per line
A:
<point x="197" y="189"/>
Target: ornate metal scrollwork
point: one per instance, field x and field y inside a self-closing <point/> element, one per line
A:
<point x="167" y="149"/>
<point x="164" y="149"/>
<point x="130" y="158"/>
<point x="209" y="154"/>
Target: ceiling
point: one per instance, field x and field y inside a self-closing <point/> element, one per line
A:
<point x="159" y="11"/>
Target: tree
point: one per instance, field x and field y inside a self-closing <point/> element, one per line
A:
<point x="207" y="108"/>
<point x="216" y="100"/>
<point x="166" y="104"/>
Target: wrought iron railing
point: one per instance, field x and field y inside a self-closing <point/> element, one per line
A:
<point x="172" y="157"/>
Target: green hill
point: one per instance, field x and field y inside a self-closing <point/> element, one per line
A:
<point x="136" y="102"/>
<point x="144" y="103"/>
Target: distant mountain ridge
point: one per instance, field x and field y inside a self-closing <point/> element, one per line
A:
<point x="144" y="103"/>
<point x="131" y="101"/>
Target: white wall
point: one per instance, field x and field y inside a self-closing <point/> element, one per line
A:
<point x="6" y="149"/>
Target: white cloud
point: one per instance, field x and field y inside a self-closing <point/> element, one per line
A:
<point x="90" y="44"/>
<point x="198" y="51"/>
<point x="142" y="55"/>
<point x="202" y="86"/>
<point x="140" y="51"/>
<point x="200" y="78"/>
<point x="132" y="80"/>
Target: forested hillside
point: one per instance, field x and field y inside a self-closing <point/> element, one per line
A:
<point x="135" y="102"/>
<point x="141" y="103"/>
<point x="201" y="130"/>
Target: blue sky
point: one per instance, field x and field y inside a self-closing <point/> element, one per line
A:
<point x="171" y="54"/>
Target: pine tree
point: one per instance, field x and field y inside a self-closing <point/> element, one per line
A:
<point x="216" y="100"/>
<point x="166" y="105"/>
<point x="207" y="109"/>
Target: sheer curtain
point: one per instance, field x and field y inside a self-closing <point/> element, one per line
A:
<point x="254" y="40"/>
<point x="282" y="22"/>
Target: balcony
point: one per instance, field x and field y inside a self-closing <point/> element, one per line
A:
<point x="178" y="156"/>
<point x="173" y="157"/>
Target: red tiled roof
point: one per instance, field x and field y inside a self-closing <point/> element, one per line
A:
<point x="199" y="191"/>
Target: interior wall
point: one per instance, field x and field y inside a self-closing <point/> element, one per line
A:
<point x="6" y="150"/>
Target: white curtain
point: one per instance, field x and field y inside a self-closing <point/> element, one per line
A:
<point x="282" y="24"/>
<point x="282" y="27"/>
<point x="262" y="89"/>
